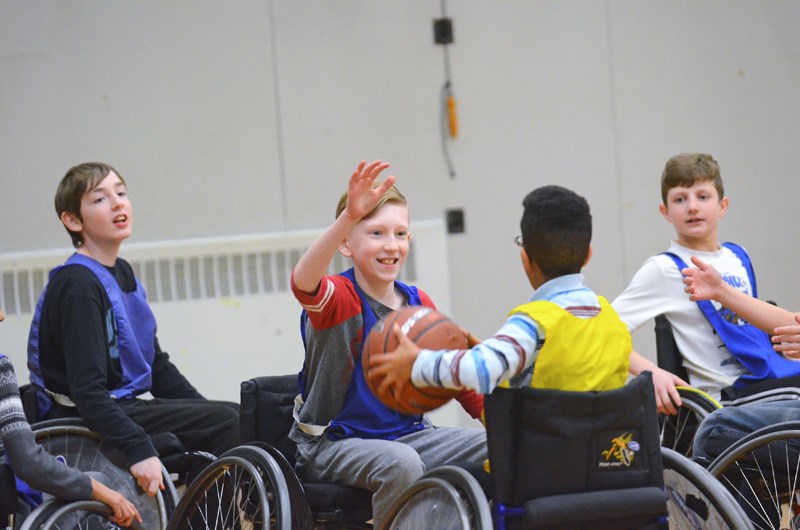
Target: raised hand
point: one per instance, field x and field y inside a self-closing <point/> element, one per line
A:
<point x="702" y="283"/>
<point x="362" y="197"/>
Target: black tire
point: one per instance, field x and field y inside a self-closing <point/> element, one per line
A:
<point x="762" y="471"/>
<point x="695" y="499"/>
<point x="77" y="515"/>
<point x="228" y="494"/>
<point x="86" y="451"/>
<point x="677" y="430"/>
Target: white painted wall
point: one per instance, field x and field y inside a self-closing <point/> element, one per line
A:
<point x="237" y="117"/>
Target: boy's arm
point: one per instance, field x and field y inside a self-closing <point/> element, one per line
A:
<point x="168" y="381"/>
<point x="705" y="283"/>
<point x="361" y="199"/>
<point x="664" y="383"/>
<point x="481" y="368"/>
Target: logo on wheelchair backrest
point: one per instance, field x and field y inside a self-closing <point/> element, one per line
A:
<point x="621" y="453"/>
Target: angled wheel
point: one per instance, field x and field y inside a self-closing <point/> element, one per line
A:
<point x="677" y="430"/>
<point x="433" y="502"/>
<point x="77" y="515"/>
<point x="762" y="471"/>
<point x="695" y="499"/>
<point x="228" y="494"/>
<point x="470" y="490"/>
<point x="85" y="450"/>
<point x="272" y="474"/>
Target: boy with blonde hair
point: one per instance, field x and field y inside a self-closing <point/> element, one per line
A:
<point x="344" y="434"/>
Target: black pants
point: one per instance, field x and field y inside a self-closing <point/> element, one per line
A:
<point x="202" y="425"/>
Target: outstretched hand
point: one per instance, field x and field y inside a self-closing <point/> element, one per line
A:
<point x="393" y="369"/>
<point x="703" y="282"/>
<point x="786" y="340"/>
<point x="362" y="197"/>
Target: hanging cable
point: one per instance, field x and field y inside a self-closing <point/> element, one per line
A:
<point x="443" y="34"/>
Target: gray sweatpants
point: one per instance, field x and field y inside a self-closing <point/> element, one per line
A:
<point x="385" y="467"/>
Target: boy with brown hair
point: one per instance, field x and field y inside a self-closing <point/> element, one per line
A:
<point x="93" y="348"/>
<point x="344" y="434"/>
<point x="719" y="349"/>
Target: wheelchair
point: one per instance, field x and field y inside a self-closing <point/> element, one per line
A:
<point x="243" y="488"/>
<point x="677" y="431"/>
<point x="543" y="477"/>
<point x="266" y="406"/>
<point x="82" y="449"/>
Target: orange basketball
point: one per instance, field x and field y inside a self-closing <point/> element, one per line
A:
<point x="429" y="329"/>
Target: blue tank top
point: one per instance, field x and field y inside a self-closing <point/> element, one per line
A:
<point x="748" y="344"/>
<point x="135" y="326"/>
<point x="363" y="415"/>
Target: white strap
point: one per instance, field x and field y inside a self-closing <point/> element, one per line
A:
<point x="61" y="399"/>
<point x="308" y="428"/>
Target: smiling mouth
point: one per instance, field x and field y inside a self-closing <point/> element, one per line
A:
<point x="388" y="261"/>
<point x="120" y="218"/>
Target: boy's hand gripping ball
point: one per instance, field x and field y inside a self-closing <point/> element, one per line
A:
<point x="428" y="329"/>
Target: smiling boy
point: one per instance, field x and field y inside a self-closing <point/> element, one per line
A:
<point x="344" y="434"/>
<point x="694" y="202"/>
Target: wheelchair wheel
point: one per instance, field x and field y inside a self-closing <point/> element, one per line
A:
<point x="762" y="471"/>
<point x="432" y="502"/>
<point x="677" y="430"/>
<point x="279" y="508"/>
<point x="77" y="515"/>
<point x="228" y="494"/>
<point x="85" y="450"/>
<point x="695" y="499"/>
<point x="470" y="490"/>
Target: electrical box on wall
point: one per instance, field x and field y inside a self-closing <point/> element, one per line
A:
<point x="455" y="221"/>
<point x="443" y="31"/>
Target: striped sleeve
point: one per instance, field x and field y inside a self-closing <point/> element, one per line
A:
<point x="510" y="351"/>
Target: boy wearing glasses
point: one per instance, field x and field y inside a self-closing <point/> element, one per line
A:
<point x="565" y="337"/>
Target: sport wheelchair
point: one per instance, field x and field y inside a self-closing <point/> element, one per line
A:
<point x="677" y="431"/>
<point x="662" y="489"/>
<point x="266" y="406"/>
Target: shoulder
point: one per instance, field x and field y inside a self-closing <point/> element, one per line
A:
<point x="335" y="295"/>
<point x="425" y="298"/>
<point x="6" y="371"/>
<point x="74" y="278"/>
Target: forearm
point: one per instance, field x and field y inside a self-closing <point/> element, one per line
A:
<point x="759" y="313"/>
<point x="40" y="470"/>
<point x="314" y="262"/>
<point x="640" y="363"/>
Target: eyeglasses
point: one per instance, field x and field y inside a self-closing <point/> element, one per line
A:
<point x="518" y="241"/>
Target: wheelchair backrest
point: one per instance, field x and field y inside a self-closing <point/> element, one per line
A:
<point x="265" y="411"/>
<point x="668" y="356"/>
<point x="546" y="442"/>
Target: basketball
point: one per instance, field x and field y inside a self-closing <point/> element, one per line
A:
<point x="427" y="328"/>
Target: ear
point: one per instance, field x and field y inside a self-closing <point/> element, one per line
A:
<point x="723" y="206"/>
<point x="588" y="256"/>
<point x="71" y="221"/>
<point x="664" y="211"/>
<point x="344" y="248"/>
